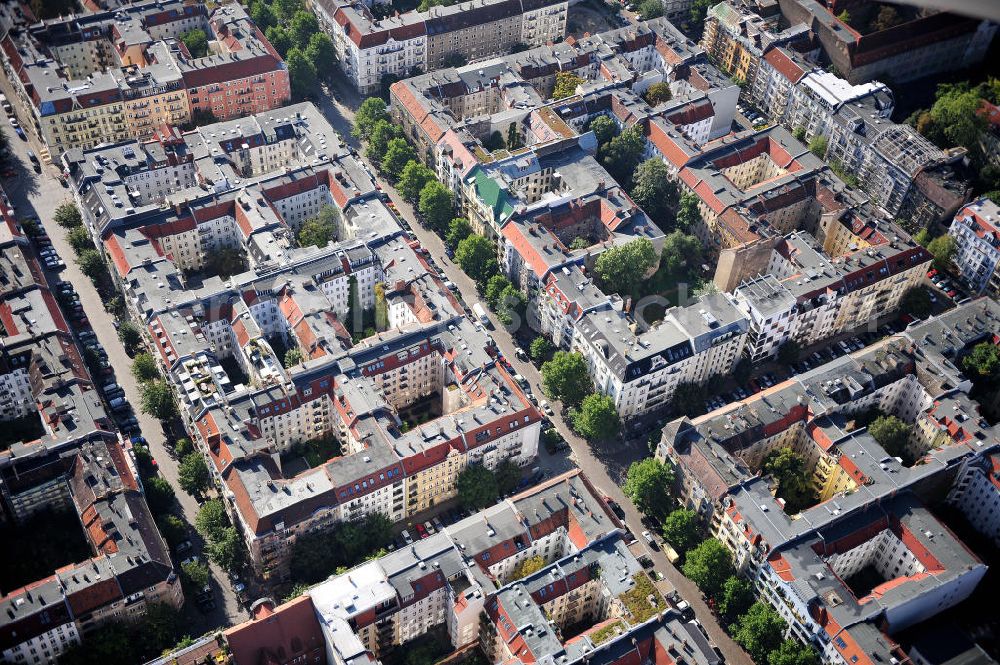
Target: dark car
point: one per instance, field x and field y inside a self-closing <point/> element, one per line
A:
<point x="616" y="508"/>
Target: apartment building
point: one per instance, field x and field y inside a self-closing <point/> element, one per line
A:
<point x="75" y="464"/>
<point x="122" y="73"/>
<point x="864" y="513"/>
<point x="977" y="242"/>
<point x="976" y="493"/>
<point x="465" y="583"/>
<point x="902" y="172"/>
<point x="372" y="50"/>
<point x="413" y="399"/>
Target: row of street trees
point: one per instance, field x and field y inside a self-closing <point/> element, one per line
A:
<point x="592" y="415"/>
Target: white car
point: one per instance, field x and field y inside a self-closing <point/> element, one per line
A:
<point x="546" y="408"/>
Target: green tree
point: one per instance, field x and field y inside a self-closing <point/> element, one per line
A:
<point x="212" y="521"/>
<point x="173" y="528"/>
<point x="527" y="567"/>
<point x="226" y="261"/>
<point x="301" y="73"/>
<point x="818" y="146"/>
<point x="735" y="598"/>
<point x="477" y="487"/>
<point x="708" y="565"/>
<point x="654" y="191"/>
<point x="130" y="337"/>
<point x="793" y="477"/>
<point x="650" y="9"/>
<point x="293" y="357"/>
<point x="437" y="205"/>
<point x="688" y="215"/>
<point x="844" y="17"/>
<point x="183" y="446"/>
<point x="681" y="530"/>
<point x="91" y="264"/>
<point x="160" y="626"/>
<point x="983" y="361"/>
<point x="604" y="129"/>
<point x="760" y="631"/>
<point x="79" y="239"/>
<point x="321" y="229"/>
<point x="413" y="178"/>
<point x="196" y="42"/>
<point x="494" y="290"/>
<point x="398" y="154"/>
<point x="622" y="154"/>
<point x="196" y="574"/>
<point x="916" y="301"/>
<point x="371" y="111"/>
<point x="68" y="216"/>
<point x="566" y="378"/>
<point x="157" y="400"/>
<point x="228" y="551"/>
<point x="144" y="368"/>
<point x="511" y="306"/>
<point x="793" y="652"/>
<point x="322" y="54"/>
<point x="508" y="477"/>
<point x="476" y="256"/>
<point x="799" y="133"/>
<point x="943" y="249"/>
<point x="566" y="83"/>
<point x="648" y="484"/>
<point x="281" y="39"/>
<point x="541" y="349"/>
<point x="262" y="15"/>
<point x="381" y="133"/>
<point x="923" y="237"/>
<point x="681" y="257"/>
<point x="159" y="494"/>
<point x="193" y="475"/>
<point x="788" y="352"/>
<point x="696" y="17"/>
<point x="623" y="266"/>
<point x="458" y="230"/>
<point x="579" y="242"/>
<point x="287" y="9"/>
<point x="381" y="308"/>
<point x="891" y="433"/>
<point x="597" y="418"/>
<point x="304" y="25"/>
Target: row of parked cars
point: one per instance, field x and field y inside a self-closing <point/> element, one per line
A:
<point x="945" y="283"/>
<point x="753" y="386"/>
<point x="750" y="114"/>
<point x="43" y="247"/>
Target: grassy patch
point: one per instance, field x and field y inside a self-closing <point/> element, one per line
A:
<point x="607" y="632"/>
<point x="636" y="599"/>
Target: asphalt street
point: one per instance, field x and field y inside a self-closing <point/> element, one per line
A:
<point x="605" y="466"/>
<point x="38" y="195"/>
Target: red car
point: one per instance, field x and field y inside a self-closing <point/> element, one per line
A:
<point x="931" y="272"/>
<point x="421" y="531"/>
<point x="952" y="293"/>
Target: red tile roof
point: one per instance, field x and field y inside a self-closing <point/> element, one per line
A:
<point x="288" y="634"/>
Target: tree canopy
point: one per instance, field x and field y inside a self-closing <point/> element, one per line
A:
<point x="654" y="191"/>
<point x="67" y="216"/>
<point x="793" y="652"/>
<point x="604" y="129"/>
<point x="891" y="433"/>
<point x="735" y="598"/>
<point x="317" y="555"/>
<point x="622" y="154"/>
<point x="818" y="146"/>
<point x="413" y="178"/>
<point x="227" y="551"/>
<point x="320" y="230"/>
<point x="760" y="631"/>
<point x="943" y="248"/>
<point x="458" y="230"/>
<point x="566" y="83"/>
<point x="648" y="485"/>
<point x="371" y="111"/>
<point x="788" y="352"/>
<point x="157" y="400"/>
<point x="477" y="487"/>
<point x="436" y="205"/>
<point x="623" y="266"/>
<point x="597" y="418"/>
<point x="130" y="337"/>
<point x="916" y="301"/>
<point x="789" y="469"/>
<point x="196" y="42"/>
<point x="301" y="72"/>
<point x="708" y="565"/>
<point x="650" y="9"/>
<point x="681" y="257"/>
<point x="476" y="256"/>
<point x="983" y="361"/>
<point x="681" y="530"/>
<point x="193" y="475"/>
<point x="211" y="520"/>
<point x="566" y="378"/>
<point x="541" y="349"/>
<point x="688" y="215"/>
<point x="379" y="136"/>
<point x="398" y="154"/>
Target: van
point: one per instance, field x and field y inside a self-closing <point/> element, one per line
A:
<point x="110" y="388"/>
<point x="117" y="403"/>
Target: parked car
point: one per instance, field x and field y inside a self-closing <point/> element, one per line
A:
<point x="421" y="531"/>
<point x="183" y="547"/>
